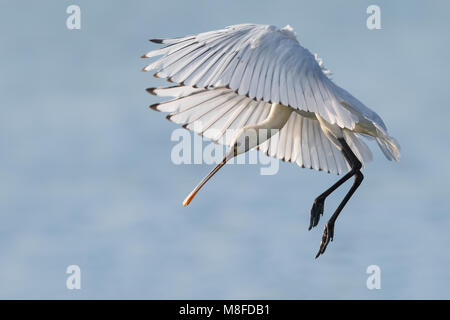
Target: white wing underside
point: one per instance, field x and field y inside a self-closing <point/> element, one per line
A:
<point x="263" y="63"/>
<point x="229" y="78"/>
<point x="217" y="113"/>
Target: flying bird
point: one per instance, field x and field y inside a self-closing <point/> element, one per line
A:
<point x="260" y="82"/>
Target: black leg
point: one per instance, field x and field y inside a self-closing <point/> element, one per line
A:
<point x="318" y="205"/>
<point x="317" y="209"/>
<point x="328" y="233"/>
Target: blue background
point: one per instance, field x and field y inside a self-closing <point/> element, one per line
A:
<point x="86" y="176"/>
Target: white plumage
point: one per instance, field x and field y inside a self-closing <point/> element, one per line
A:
<point x="265" y="64"/>
<point x="212" y="112"/>
<point x="258" y="61"/>
<point x="251" y="76"/>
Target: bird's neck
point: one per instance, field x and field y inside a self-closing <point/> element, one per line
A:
<point x="278" y="116"/>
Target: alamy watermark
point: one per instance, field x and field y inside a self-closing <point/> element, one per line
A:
<point x="73" y="21"/>
<point x="374" y="280"/>
<point x="191" y="148"/>
<point x="73" y="281"/>
<point x="373" y="21"/>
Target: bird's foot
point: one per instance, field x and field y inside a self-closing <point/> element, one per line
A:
<point x="316" y="212"/>
<point x="328" y="234"/>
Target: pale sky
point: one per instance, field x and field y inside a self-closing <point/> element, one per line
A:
<point x="86" y="177"/>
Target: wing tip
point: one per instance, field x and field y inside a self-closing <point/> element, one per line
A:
<point x="154" y="106"/>
<point x="159" y="41"/>
<point x="151" y="91"/>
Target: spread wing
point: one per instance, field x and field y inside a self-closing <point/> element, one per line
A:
<point x="302" y="141"/>
<point x="261" y="62"/>
<point x="217" y="113"/>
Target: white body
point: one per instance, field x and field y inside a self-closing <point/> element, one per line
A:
<point x="260" y="82"/>
<point x="232" y="78"/>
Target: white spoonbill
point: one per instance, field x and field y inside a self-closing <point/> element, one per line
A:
<point x="259" y="79"/>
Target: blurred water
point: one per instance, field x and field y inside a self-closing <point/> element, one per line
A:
<point x="86" y="176"/>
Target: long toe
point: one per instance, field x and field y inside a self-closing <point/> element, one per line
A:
<point x="316" y="212"/>
<point x="326" y="237"/>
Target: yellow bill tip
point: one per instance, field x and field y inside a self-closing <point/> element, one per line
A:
<point x="189" y="198"/>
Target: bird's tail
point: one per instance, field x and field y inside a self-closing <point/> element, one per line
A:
<point x="388" y="144"/>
